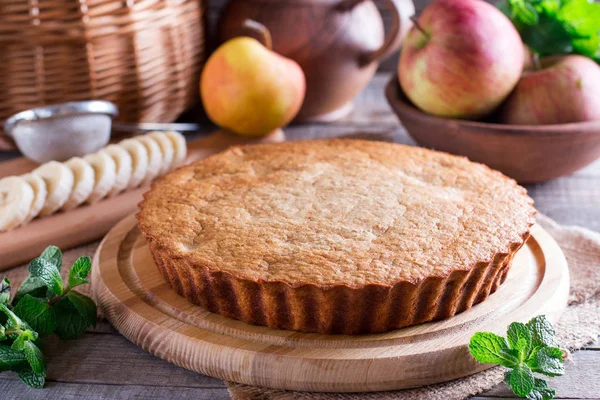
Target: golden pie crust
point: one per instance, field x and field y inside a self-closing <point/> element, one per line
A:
<point x="335" y="236"/>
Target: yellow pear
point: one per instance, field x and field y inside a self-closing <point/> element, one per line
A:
<point x="249" y="89"/>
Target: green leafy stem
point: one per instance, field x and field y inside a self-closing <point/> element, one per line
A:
<point x="43" y="305"/>
<point x="528" y="348"/>
<point x="552" y="27"/>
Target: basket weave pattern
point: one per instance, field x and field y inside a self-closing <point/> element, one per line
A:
<point x="143" y="55"/>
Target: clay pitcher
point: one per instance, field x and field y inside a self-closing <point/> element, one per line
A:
<point x="338" y="43"/>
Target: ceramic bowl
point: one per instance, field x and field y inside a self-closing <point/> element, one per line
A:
<point x="526" y="153"/>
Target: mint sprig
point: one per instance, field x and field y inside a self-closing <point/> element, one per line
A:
<point x="552" y="27"/>
<point x="42" y="305"/>
<point x="4" y="291"/>
<point x="528" y="349"/>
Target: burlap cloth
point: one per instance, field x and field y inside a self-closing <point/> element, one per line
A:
<point x="579" y="325"/>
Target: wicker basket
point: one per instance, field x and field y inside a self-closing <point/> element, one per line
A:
<point x="143" y="55"/>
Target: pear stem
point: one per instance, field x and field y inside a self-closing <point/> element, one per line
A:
<point x="262" y="31"/>
<point x="415" y="21"/>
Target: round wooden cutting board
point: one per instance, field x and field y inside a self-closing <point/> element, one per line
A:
<point x="134" y="296"/>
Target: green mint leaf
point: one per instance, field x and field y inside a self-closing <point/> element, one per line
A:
<point x="33" y="379"/>
<point x="510" y="354"/>
<point x="31" y="285"/>
<point x="551" y="27"/>
<point x="13" y="320"/>
<point x="35" y="358"/>
<point x="21" y="341"/>
<point x="527" y="14"/>
<point x="589" y="47"/>
<point x="542" y="332"/>
<point x="530" y="348"/>
<point x="505" y="7"/>
<point x="85" y="306"/>
<point x="47" y="272"/>
<point x="555" y="352"/>
<point x="541" y="391"/>
<point x="71" y="322"/>
<point x="547" y="361"/>
<point x="580" y="17"/>
<point x="507" y="377"/>
<point x="519" y="339"/>
<point x="40" y="316"/>
<point x="2" y="333"/>
<point x="4" y="291"/>
<point x="11" y="360"/>
<point x="80" y="271"/>
<point x="549" y="7"/>
<point x="53" y="255"/>
<point x="521" y="380"/>
<point x="489" y="348"/>
<point x="548" y="37"/>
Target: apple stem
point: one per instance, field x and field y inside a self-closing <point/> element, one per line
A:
<point x="415" y="21"/>
<point x="262" y="31"/>
<point x="535" y="58"/>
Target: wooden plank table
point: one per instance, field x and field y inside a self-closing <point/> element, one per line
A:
<point x="104" y="365"/>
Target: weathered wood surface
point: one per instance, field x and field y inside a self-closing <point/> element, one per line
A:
<point x="15" y="390"/>
<point x="105" y="365"/>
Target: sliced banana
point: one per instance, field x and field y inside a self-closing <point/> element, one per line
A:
<point x="83" y="184"/>
<point x="124" y="165"/>
<point x="179" y="148"/>
<point x="105" y="175"/>
<point x="59" y="184"/>
<point x="166" y="149"/>
<point x="139" y="161"/>
<point x="39" y="195"/>
<point x="16" y="197"/>
<point x="154" y="158"/>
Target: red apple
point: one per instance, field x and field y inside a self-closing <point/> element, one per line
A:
<point x="461" y="59"/>
<point x="565" y="89"/>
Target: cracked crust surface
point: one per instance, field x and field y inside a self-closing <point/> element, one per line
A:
<point x="335" y="236"/>
<point x="336" y="212"/>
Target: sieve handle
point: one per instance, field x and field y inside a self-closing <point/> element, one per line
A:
<point x="151" y="127"/>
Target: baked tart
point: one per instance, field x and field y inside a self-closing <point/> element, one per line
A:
<point x="335" y="236"/>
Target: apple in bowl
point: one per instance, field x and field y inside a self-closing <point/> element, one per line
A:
<point x="563" y="90"/>
<point x="461" y="59"/>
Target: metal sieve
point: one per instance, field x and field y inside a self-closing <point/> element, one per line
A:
<point x="62" y="131"/>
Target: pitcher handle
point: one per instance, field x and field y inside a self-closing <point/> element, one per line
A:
<point x="402" y="10"/>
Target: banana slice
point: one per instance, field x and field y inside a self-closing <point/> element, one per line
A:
<point x="105" y="174"/>
<point x="59" y="183"/>
<point x="179" y="148"/>
<point x="39" y="195"/>
<point x="166" y="148"/>
<point x="83" y="184"/>
<point x="154" y="158"/>
<point x="16" y="197"/>
<point x="124" y="165"/>
<point x="139" y="161"/>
